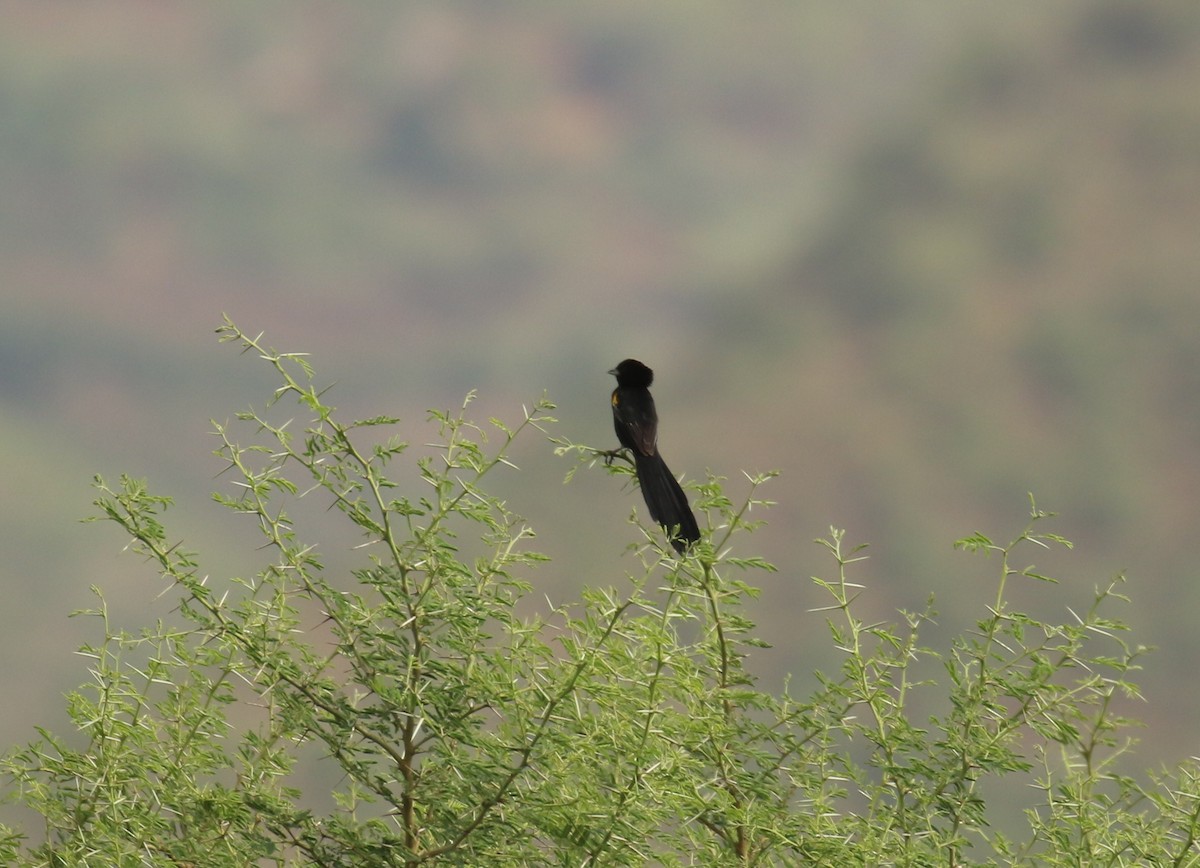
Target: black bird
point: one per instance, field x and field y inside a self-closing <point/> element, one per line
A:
<point x="636" y="423"/>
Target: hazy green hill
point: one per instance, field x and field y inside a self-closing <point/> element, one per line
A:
<point x="923" y="259"/>
<point x="1007" y="291"/>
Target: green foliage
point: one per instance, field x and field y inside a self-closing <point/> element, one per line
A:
<point x="625" y="729"/>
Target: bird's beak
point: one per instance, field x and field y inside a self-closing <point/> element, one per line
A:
<point x="613" y="372"/>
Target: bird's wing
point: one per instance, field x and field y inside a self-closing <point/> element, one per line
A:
<point x="638" y="422"/>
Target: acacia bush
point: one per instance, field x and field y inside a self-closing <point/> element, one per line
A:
<point x="625" y="728"/>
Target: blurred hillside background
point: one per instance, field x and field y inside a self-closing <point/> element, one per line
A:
<point x="922" y="258"/>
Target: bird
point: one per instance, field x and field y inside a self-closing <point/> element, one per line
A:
<point x="636" y="424"/>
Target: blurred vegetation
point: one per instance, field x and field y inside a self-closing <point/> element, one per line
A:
<point x="922" y="259"/>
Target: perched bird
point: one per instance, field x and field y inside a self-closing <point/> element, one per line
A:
<point x="636" y="423"/>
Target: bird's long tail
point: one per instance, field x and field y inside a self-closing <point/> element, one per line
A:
<point x="666" y="501"/>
